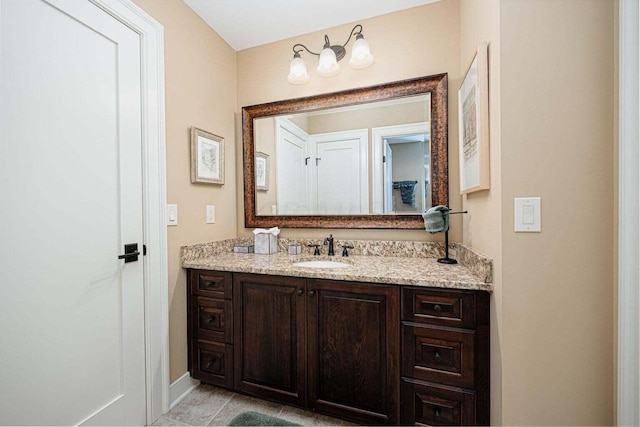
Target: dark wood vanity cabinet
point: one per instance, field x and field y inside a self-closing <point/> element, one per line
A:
<point x="353" y="355"/>
<point x="445" y="357"/>
<point x="210" y="326"/>
<point x="331" y="346"/>
<point x="347" y="349"/>
<point x="270" y="316"/>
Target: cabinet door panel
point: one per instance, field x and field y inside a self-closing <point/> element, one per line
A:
<point x="438" y="355"/>
<point x="213" y="284"/>
<point x="213" y="319"/>
<point x="427" y="404"/>
<point x="446" y="307"/>
<point x="353" y="351"/>
<point x="212" y="362"/>
<point x="270" y="337"/>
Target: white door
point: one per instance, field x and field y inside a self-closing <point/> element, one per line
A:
<point x="342" y="172"/>
<point x="71" y="312"/>
<point x="291" y="173"/>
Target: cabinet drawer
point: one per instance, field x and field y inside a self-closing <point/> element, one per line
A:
<point x="454" y="308"/>
<point x="212" y="362"/>
<point x="213" y="319"/>
<point x="213" y="284"/>
<point x="438" y="355"/>
<point x="427" y="404"/>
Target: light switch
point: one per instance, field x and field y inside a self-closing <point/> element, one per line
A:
<point x="210" y="214"/>
<point x="172" y="215"/>
<point x="527" y="215"/>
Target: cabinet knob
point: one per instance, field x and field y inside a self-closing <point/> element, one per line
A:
<point x="437" y="356"/>
<point x="209" y="363"/>
<point x="312" y="293"/>
<point x="436" y="414"/>
<point x="437" y="308"/>
<point x="299" y="292"/>
<point x="211" y="318"/>
<point x="208" y="283"/>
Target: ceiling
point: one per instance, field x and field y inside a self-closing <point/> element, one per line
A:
<point x="249" y="23"/>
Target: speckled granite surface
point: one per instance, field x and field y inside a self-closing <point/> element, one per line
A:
<point x="402" y="263"/>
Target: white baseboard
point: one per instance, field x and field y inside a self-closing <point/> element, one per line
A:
<point x="179" y="389"/>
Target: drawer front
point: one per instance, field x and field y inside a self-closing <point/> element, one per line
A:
<point x="438" y="355"/>
<point x="213" y="284"/>
<point x="212" y="362"/>
<point x="426" y="404"/>
<point x="212" y="319"/>
<point x="454" y="308"/>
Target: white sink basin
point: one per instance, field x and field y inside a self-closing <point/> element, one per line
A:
<point x="321" y="264"/>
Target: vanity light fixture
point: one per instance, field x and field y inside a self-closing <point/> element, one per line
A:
<point x="329" y="56"/>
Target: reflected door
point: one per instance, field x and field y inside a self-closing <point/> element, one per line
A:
<point x="71" y="313"/>
<point x="292" y="172"/>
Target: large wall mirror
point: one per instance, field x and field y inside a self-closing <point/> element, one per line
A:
<point x="374" y="157"/>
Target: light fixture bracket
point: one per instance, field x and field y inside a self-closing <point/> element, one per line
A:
<point x="340" y="51"/>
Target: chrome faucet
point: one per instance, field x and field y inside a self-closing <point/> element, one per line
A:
<point x="329" y="241"/>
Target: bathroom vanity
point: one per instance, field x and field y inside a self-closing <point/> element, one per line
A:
<point x="386" y="340"/>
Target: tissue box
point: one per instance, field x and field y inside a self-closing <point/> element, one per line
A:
<point x="265" y="243"/>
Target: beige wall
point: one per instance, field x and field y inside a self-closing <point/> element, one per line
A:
<point x="200" y="83"/>
<point x="412" y="43"/>
<point x="557" y="103"/>
<point x="552" y="102"/>
<point x="480" y="22"/>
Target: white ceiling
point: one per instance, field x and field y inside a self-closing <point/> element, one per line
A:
<point x="248" y="23"/>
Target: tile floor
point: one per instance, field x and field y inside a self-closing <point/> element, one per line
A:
<point x="212" y="406"/>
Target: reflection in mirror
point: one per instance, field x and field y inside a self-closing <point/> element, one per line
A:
<point x="362" y="159"/>
<point x="366" y="158"/>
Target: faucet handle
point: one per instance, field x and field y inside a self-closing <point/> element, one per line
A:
<point x="316" y="250"/>
<point x="345" y="249"/>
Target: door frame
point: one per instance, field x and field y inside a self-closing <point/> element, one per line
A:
<point x="628" y="322"/>
<point x="378" y="136"/>
<point x="156" y="290"/>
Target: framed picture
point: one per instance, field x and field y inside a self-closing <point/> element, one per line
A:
<point x="262" y="171"/>
<point x="473" y="120"/>
<point x="207" y="157"/>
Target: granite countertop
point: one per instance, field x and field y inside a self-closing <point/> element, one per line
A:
<point x="414" y="271"/>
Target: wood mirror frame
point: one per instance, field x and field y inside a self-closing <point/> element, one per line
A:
<point x="436" y="85"/>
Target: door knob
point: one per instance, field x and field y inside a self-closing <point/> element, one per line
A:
<point x="130" y="253"/>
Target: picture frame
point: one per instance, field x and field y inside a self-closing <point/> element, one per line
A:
<point x="207" y="157"/>
<point x="262" y="171"/>
<point x="473" y="124"/>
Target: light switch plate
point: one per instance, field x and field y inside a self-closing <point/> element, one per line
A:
<point x="172" y="215"/>
<point x="210" y="213"/>
<point x="526" y="215"/>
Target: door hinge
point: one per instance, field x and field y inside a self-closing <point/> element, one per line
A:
<point x="144" y="250"/>
<point x="384" y="159"/>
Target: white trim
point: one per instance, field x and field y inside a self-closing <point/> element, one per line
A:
<point x="154" y="200"/>
<point x="180" y="388"/>
<point x="628" y="390"/>
<point x="378" y="135"/>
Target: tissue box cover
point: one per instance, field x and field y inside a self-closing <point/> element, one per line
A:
<point x="265" y="243"/>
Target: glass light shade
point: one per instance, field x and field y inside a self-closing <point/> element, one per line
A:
<point x="298" y="71"/>
<point x="328" y="64"/>
<point x="360" y="54"/>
